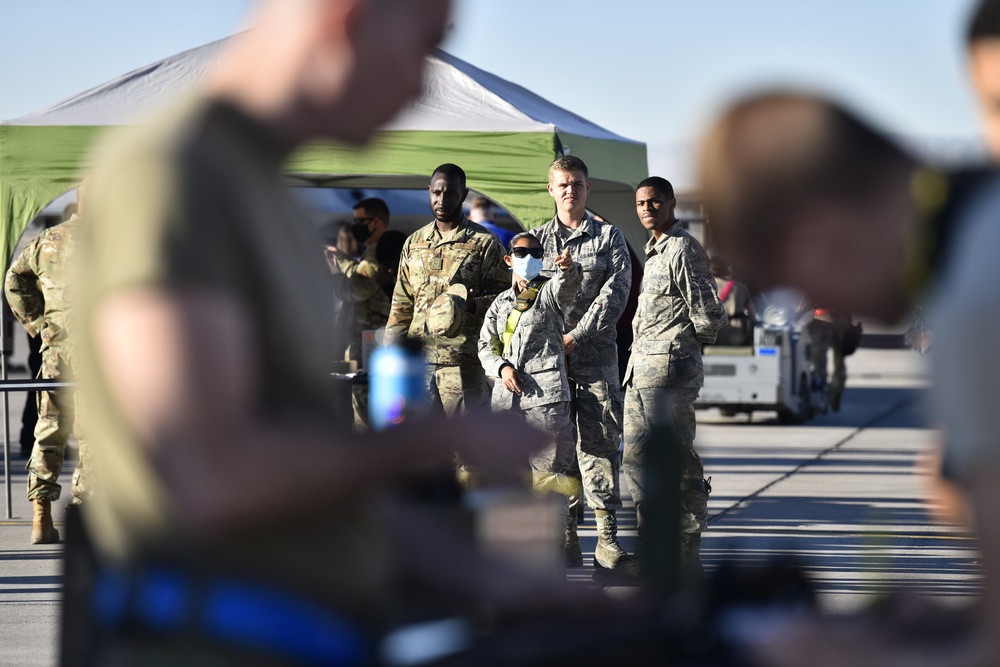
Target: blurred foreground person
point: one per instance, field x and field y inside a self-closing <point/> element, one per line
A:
<point x="803" y="194"/>
<point x="679" y="312"/>
<point x="983" y="41"/>
<point x="39" y="290"/>
<point x="812" y="181"/>
<point x="241" y="524"/>
<point x="983" y="52"/>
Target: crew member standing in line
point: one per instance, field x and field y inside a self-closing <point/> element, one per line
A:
<point x="521" y="347"/>
<point x="39" y="291"/>
<point x="679" y="311"/>
<point x="449" y="252"/>
<point x="359" y="282"/>
<point x="591" y="351"/>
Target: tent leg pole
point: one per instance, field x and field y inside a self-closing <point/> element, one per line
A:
<point x="6" y="448"/>
<point x="6" y="406"/>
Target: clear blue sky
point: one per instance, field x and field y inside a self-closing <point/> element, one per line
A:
<point x="654" y="70"/>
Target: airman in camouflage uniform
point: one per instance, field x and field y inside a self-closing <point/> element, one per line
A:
<point x="590" y="341"/>
<point x="359" y="282"/>
<point x="529" y="367"/>
<point x="450" y="250"/>
<point x="679" y="311"/>
<point x="38" y="291"/>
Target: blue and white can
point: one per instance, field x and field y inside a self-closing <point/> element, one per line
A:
<point x="397" y="385"/>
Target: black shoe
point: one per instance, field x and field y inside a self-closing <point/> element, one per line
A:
<point x="626" y="574"/>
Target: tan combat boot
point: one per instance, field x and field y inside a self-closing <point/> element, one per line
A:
<point x="42" y="530"/>
<point x="564" y="485"/>
<point x="609" y="554"/>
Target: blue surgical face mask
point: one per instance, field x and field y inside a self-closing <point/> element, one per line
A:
<point x="527" y="267"/>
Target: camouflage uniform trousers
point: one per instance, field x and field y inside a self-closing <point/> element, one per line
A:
<point x="597" y="410"/>
<point x="56" y="416"/>
<point x="551" y="467"/>
<point x="827" y="336"/>
<point x="458" y="389"/>
<point x="638" y="408"/>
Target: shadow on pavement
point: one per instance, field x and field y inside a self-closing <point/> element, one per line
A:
<point x="21" y="555"/>
<point x="862" y="407"/>
<point x="31" y="585"/>
<point x="863" y="514"/>
<point x="899" y="462"/>
<point x="849" y="544"/>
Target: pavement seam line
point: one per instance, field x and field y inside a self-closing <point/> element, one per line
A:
<point x="805" y="464"/>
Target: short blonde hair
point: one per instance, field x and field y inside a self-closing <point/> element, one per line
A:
<point x="568" y="164"/>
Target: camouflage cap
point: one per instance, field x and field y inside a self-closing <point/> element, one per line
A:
<point x="447" y="313"/>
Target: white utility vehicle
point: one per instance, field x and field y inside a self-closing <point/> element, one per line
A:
<point x="774" y="373"/>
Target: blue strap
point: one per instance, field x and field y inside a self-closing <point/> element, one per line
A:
<point x="232" y="612"/>
<point x="275" y="621"/>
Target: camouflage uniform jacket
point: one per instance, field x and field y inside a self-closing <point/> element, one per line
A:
<point x="600" y="250"/>
<point x="357" y="284"/>
<point x="431" y="262"/>
<point x="38" y="287"/>
<point x="536" y="348"/>
<point x="679" y="311"/>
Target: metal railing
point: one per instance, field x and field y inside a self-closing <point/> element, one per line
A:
<point x="7" y="386"/>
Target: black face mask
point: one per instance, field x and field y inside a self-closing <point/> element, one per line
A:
<point x="361" y="232"/>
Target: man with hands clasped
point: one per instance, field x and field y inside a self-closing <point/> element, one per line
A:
<point x="521" y="345"/>
<point x="679" y="311"/>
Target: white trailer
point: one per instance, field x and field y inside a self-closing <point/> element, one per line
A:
<point x="775" y="373"/>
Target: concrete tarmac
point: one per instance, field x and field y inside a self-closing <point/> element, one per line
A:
<point x="845" y="492"/>
<point x="842" y="492"/>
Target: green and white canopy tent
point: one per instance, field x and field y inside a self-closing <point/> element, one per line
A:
<point x="503" y="135"/>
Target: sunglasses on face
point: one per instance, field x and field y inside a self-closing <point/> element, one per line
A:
<point x="521" y="251"/>
<point x="363" y="221"/>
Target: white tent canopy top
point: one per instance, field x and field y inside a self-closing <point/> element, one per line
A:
<point x="502" y="134"/>
<point x="456" y="95"/>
